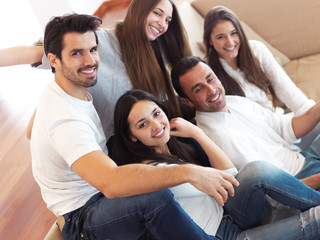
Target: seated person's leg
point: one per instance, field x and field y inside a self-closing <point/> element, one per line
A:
<point x="310" y="173"/>
<point x="133" y="217"/>
<point x="305" y="226"/>
<point x="314" y="147"/>
<point x="258" y="179"/>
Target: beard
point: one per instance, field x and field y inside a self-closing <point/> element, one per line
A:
<point x="76" y="78"/>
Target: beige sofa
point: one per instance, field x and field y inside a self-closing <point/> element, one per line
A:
<point x="289" y="28"/>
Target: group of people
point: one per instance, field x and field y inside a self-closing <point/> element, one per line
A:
<point x="164" y="177"/>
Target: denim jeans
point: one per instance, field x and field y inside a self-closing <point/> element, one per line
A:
<point x="258" y="179"/>
<point x="312" y="164"/>
<point x="148" y="216"/>
<point x="308" y="139"/>
<point x="303" y="226"/>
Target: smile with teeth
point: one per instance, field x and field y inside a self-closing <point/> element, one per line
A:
<point x="214" y="98"/>
<point x="230" y="49"/>
<point x="88" y="71"/>
<point x="160" y="133"/>
<point x="155" y="30"/>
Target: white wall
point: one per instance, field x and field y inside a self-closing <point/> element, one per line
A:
<point x="46" y="9"/>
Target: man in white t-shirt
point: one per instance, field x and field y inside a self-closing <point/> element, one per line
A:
<point x="97" y="198"/>
<point x="245" y="130"/>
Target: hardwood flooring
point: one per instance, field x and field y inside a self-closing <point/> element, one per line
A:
<point x="23" y="213"/>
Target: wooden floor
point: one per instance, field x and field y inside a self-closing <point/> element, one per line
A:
<point x="23" y="214"/>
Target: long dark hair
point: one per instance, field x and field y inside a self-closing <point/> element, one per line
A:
<point x="125" y="151"/>
<point x="146" y="61"/>
<point x="246" y="61"/>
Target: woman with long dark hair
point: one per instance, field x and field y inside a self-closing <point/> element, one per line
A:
<point x="143" y="134"/>
<point x="247" y="68"/>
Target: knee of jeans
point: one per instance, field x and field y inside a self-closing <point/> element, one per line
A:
<point x="259" y="172"/>
<point x="256" y="168"/>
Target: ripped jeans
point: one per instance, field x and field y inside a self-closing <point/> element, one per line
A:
<point x="304" y="226"/>
<point x="247" y="208"/>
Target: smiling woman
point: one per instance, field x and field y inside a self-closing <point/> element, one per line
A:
<point x="149" y="125"/>
<point x="158" y="20"/>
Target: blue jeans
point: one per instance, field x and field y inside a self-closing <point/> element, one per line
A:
<point x="258" y="179"/>
<point x="148" y="216"/>
<point x="308" y="139"/>
<point x="304" y="226"/>
<point x="312" y="164"/>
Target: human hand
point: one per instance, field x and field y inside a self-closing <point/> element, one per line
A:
<point x="183" y="128"/>
<point x="215" y="183"/>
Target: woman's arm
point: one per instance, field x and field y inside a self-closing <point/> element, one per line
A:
<point x="20" y="55"/>
<point x="304" y="123"/>
<point x="283" y="86"/>
<point x="217" y="157"/>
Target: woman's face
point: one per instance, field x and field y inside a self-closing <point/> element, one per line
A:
<point x="225" y="40"/>
<point x="158" y="20"/>
<point x="149" y="124"/>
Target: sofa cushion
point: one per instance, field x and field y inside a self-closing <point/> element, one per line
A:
<point x="305" y="73"/>
<point x="193" y="23"/>
<point x="289" y="26"/>
<point x="252" y="35"/>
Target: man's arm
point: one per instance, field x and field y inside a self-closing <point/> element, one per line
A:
<point x="30" y="125"/>
<point x="304" y="123"/>
<point x="132" y="179"/>
<point x="312" y="181"/>
<point x="21" y="55"/>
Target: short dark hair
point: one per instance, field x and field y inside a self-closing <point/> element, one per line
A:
<point x="181" y="68"/>
<point x="57" y="27"/>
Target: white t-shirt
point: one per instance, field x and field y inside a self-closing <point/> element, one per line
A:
<point x="250" y="132"/>
<point x="202" y="208"/>
<point x="284" y="88"/>
<point x="113" y="80"/>
<point x="65" y="129"/>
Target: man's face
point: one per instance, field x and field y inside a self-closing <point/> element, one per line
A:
<point x="204" y="89"/>
<point x="79" y="59"/>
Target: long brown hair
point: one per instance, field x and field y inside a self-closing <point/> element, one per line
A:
<point x="146" y="61"/>
<point x="246" y="61"/>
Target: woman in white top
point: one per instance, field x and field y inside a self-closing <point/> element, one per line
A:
<point x="248" y="68"/>
<point x="144" y="134"/>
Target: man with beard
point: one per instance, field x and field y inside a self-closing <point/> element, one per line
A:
<point x="244" y="130"/>
<point x="93" y="197"/>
